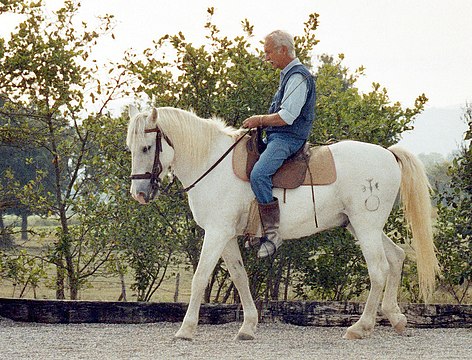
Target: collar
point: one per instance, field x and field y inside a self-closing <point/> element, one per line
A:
<point x="290" y="65"/>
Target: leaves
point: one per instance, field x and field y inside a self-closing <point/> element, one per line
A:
<point x="454" y="229"/>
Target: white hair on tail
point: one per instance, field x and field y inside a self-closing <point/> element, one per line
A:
<point x="415" y="196"/>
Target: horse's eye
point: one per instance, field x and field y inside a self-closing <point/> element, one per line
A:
<point x="146" y="149"/>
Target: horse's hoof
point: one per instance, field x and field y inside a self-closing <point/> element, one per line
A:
<point x="244" y="336"/>
<point x="184" y="338"/>
<point x="351" y="335"/>
<point x="400" y="326"/>
<point x="181" y="336"/>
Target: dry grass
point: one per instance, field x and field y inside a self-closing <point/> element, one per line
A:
<point x="109" y="288"/>
<point x="99" y="288"/>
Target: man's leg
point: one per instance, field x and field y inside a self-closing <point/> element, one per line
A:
<point x="261" y="182"/>
<point x="270" y="161"/>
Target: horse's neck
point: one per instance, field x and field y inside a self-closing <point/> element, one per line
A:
<point x="188" y="172"/>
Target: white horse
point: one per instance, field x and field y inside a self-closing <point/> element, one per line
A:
<point x="369" y="178"/>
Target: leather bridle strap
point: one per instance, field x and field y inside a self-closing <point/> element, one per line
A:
<point x="157" y="166"/>
<point x="153" y="176"/>
<point x="190" y="187"/>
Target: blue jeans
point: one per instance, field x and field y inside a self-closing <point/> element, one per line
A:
<point x="279" y="148"/>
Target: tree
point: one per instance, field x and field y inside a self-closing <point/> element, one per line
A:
<point x="43" y="70"/>
<point x="454" y="225"/>
<point x="24" y="163"/>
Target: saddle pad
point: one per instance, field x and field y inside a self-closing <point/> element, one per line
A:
<point x="322" y="166"/>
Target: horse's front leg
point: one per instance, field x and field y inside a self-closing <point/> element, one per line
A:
<point x="234" y="262"/>
<point x="213" y="244"/>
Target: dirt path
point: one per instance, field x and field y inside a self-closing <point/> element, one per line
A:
<point x="274" y="341"/>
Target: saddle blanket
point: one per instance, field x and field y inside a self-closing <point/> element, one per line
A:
<point x="321" y="165"/>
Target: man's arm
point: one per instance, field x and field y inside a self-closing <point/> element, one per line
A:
<point x="295" y="94"/>
<point x="264" y="120"/>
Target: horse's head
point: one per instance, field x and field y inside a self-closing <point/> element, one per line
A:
<point x="151" y="154"/>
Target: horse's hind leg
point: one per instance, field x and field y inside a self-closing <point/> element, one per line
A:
<point x="395" y="256"/>
<point x="370" y="240"/>
<point x="234" y="263"/>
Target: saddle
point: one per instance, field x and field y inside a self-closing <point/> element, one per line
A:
<point x="311" y="165"/>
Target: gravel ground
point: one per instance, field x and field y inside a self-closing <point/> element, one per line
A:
<point x="273" y="341"/>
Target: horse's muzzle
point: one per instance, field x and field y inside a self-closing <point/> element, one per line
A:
<point x="141" y="197"/>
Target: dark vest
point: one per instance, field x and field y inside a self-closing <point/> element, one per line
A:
<point x="301" y="127"/>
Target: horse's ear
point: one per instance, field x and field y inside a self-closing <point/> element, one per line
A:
<point x="154" y="115"/>
<point x="132" y="111"/>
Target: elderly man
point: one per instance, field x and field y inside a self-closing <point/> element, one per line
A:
<point x="287" y="127"/>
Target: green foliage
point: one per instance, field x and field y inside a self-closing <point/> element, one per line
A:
<point x="342" y="113"/>
<point x="44" y="74"/>
<point x="334" y="268"/>
<point x="454" y="225"/>
<point x="22" y="270"/>
<point x="224" y="78"/>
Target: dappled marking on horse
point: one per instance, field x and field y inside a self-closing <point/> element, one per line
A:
<point x="369" y="178"/>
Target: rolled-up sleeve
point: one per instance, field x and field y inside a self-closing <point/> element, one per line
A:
<point x="295" y="94"/>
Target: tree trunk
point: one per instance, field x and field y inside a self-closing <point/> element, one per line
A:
<point x="60" y="293"/>
<point x="287" y="280"/>
<point x="6" y="240"/>
<point x="177" y="285"/>
<point x="24" y="225"/>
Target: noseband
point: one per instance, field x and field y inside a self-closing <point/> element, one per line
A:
<point x="153" y="176"/>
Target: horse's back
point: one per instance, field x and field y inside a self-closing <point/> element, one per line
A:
<point x="365" y="158"/>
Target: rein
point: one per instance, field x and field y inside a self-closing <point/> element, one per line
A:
<point x="157" y="168"/>
<point x="217" y="162"/>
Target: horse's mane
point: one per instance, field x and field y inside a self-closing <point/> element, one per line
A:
<point x="189" y="134"/>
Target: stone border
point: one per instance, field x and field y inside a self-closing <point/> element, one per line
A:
<point x="303" y="313"/>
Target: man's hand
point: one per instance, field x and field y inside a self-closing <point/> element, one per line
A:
<point x="264" y="120"/>
<point x="253" y="121"/>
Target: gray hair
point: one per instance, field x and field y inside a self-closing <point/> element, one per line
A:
<point x="283" y="38"/>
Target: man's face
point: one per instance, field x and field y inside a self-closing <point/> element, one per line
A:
<point x="275" y="56"/>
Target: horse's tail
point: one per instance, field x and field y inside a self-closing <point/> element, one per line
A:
<point x="415" y="195"/>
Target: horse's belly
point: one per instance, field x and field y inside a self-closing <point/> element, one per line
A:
<point x="298" y="217"/>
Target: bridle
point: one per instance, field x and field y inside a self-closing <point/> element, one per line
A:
<point x="157" y="168"/>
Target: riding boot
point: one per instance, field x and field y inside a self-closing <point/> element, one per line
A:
<point x="270" y="219"/>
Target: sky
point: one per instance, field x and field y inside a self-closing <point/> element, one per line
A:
<point x="410" y="47"/>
